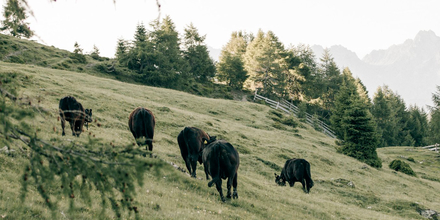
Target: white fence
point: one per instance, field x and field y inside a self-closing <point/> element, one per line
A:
<point x="290" y="108"/>
<point x="434" y="147"/>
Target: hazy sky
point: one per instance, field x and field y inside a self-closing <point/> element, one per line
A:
<point x="360" y="26"/>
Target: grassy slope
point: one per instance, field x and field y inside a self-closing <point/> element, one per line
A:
<point x="378" y="193"/>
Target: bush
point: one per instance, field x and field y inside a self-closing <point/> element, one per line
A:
<point x="401" y="166"/>
<point x="290" y="121"/>
<point x="78" y="58"/>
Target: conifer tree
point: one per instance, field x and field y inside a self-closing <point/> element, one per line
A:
<point x="122" y="50"/>
<point x="385" y="116"/>
<point x="95" y="53"/>
<point x="15" y="15"/>
<point x="330" y="79"/>
<point x="354" y="125"/>
<point x="77" y="54"/>
<point x="265" y="62"/>
<point x="312" y="84"/>
<point x="165" y="63"/>
<point x="231" y="70"/>
<point x="201" y="65"/>
<point x="343" y="102"/>
<point x="418" y="126"/>
<point x="434" y="123"/>
<point x="360" y="137"/>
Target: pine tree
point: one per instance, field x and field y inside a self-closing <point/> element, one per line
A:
<point x="15" y="15"/>
<point x="360" y="136"/>
<point x="418" y="126"/>
<point x="122" y="50"/>
<point x="201" y="65"/>
<point x="354" y="124"/>
<point x="343" y="102"/>
<point x="95" y="53"/>
<point x="165" y="63"/>
<point x="77" y="54"/>
<point x="140" y="55"/>
<point x="330" y="79"/>
<point x="385" y="116"/>
<point x="434" y="123"/>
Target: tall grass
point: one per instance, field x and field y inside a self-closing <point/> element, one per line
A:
<point x="263" y="148"/>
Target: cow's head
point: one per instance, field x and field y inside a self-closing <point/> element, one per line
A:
<point x="88" y="119"/>
<point x="211" y="139"/>
<point x="280" y="180"/>
<point x="88" y="113"/>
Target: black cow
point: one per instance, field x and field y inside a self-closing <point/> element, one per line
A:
<point x="73" y="112"/>
<point x="296" y="170"/>
<point x="221" y="161"/>
<point x="191" y="142"/>
<point x="141" y="122"/>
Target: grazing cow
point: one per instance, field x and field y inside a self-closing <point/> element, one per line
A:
<point x="73" y="112"/>
<point x="221" y="161"/>
<point x="296" y="170"/>
<point x="141" y="122"/>
<point x="191" y="142"/>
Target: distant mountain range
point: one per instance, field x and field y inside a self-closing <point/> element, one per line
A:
<point x="412" y="69"/>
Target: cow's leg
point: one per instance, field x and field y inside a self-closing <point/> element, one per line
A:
<point x="72" y="124"/>
<point x="214" y="180"/>
<point x="63" y="123"/>
<point x="234" y="184"/>
<point x="206" y="172"/>
<point x="229" y="184"/>
<point x="303" y="182"/>
<point x="150" y="145"/>
<point x="218" y="185"/>
<point x="193" y="161"/>
<point x="188" y="164"/>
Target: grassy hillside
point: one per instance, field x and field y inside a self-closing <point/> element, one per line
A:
<point x="263" y="146"/>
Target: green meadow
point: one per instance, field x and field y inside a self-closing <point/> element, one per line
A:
<point x="344" y="187"/>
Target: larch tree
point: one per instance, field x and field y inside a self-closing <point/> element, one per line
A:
<point x="15" y="14"/>
<point x="330" y="79"/>
<point x="266" y="65"/>
<point x="196" y="54"/>
<point x="230" y="68"/>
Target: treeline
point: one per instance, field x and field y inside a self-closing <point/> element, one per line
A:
<point x="249" y="62"/>
<point x="161" y="57"/>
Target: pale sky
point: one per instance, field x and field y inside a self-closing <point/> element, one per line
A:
<point x="360" y="26"/>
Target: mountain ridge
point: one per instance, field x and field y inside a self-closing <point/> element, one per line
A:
<point x="411" y="68"/>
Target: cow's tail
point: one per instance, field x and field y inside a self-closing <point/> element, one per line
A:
<point x="309" y="176"/>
